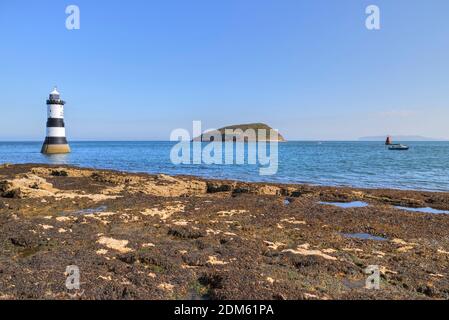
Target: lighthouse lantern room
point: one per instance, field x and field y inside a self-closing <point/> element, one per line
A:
<point x="55" y="141"/>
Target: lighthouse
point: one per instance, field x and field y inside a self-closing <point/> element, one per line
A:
<point x="56" y="141"/>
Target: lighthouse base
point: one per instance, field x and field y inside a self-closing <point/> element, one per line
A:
<point x="55" y="148"/>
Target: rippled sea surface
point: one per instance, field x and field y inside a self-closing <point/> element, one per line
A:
<point x="360" y="164"/>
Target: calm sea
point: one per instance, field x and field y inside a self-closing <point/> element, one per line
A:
<point x="360" y="164"/>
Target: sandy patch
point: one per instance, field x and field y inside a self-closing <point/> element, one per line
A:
<point x="231" y="213"/>
<point x="113" y="190"/>
<point x="213" y="260"/>
<point x="405" y="249"/>
<point x="182" y="223"/>
<point x="437" y="275"/>
<point x="63" y="219"/>
<point x="304" y="251"/>
<point x="213" y="232"/>
<point x="352" y="250"/>
<point x="274" y="245"/>
<point x="118" y="245"/>
<point x="166" y="286"/>
<point x="165" y="212"/>
<point x="384" y="270"/>
<point x="126" y="218"/>
<point x="270" y="280"/>
<point x="310" y="296"/>
<point x="293" y="221"/>
<point x="403" y="243"/>
<point x="93" y="197"/>
<point x="379" y="254"/>
<point x="99" y="215"/>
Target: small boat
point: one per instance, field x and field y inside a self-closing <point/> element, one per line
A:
<point x="398" y="147"/>
<point x="395" y="146"/>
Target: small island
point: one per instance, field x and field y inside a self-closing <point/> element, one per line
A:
<point x="252" y="132"/>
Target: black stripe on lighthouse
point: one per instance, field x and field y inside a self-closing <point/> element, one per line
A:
<point x="55" y="123"/>
<point x="55" y="140"/>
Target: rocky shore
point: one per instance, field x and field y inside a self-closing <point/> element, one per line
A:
<point x="139" y="236"/>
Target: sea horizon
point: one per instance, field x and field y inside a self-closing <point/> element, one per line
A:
<point x="163" y="140"/>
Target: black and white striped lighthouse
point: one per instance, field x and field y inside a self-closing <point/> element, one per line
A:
<point x="56" y="141"/>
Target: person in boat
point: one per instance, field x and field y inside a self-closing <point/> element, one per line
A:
<point x="395" y="146"/>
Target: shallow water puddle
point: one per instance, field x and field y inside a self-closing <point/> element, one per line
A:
<point x="87" y="211"/>
<point x="346" y="205"/>
<point x="363" y="236"/>
<point x="423" y="210"/>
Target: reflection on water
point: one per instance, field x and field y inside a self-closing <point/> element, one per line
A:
<point x="423" y="210"/>
<point x="363" y="236"/>
<point x="346" y="205"/>
<point x="57" y="158"/>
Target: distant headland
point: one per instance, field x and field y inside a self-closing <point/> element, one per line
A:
<point x="242" y="132"/>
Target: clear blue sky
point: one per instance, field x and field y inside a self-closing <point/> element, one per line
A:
<point x="139" y="69"/>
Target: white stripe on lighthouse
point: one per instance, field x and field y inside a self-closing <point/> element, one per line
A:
<point x="55" y="111"/>
<point x="55" y="132"/>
